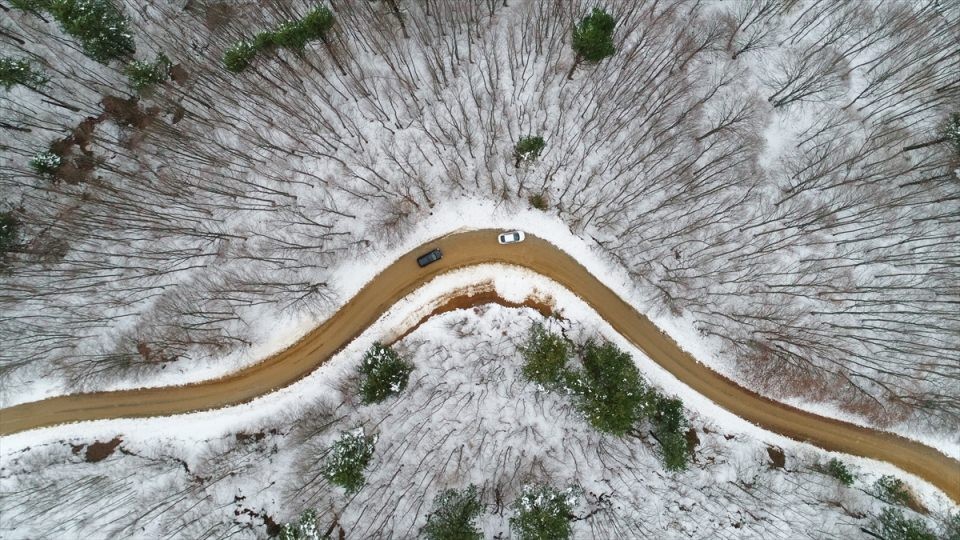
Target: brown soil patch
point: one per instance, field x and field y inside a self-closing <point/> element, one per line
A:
<point x="476" y="296"/>
<point x="777" y="458"/>
<point x="693" y="441"/>
<point x="179" y="74"/>
<point x="100" y="451"/>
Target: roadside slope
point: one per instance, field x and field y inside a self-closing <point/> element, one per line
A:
<point x="465" y="249"/>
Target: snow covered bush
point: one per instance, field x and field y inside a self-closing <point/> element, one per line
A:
<point x="612" y="394"/>
<point x="543" y="513"/>
<point x="454" y="514"/>
<point x="45" y="163"/>
<point x="894" y="525"/>
<point x="292" y="35"/>
<point x="839" y="470"/>
<point x="952" y="132"/>
<point x="528" y="149"/>
<point x="100" y="27"/>
<point x="545" y="355"/>
<point x="348" y="458"/>
<point x="143" y="75"/>
<point x="384" y="373"/>
<point x="18" y="71"/>
<point x="304" y="528"/>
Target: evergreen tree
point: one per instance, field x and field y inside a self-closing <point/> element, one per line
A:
<point x="545" y="357"/>
<point x="952" y="132"/>
<point x="15" y="71"/>
<point x="143" y="75"/>
<point x="543" y="513"/>
<point x="894" y="525"/>
<point x="891" y="490"/>
<point x="239" y="56"/>
<point x="528" y="149"/>
<point x="9" y="232"/>
<point x="671" y="426"/>
<point x="304" y="528"/>
<point x="613" y="396"/>
<point x="839" y="470"/>
<point x="453" y="516"/>
<point x="593" y="38"/>
<point x="32" y="6"/>
<point x="384" y="374"/>
<point x="348" y="458"/>
<point x="100" y="27"/>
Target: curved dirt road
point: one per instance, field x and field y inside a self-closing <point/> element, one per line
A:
<point x="465" y="249"/>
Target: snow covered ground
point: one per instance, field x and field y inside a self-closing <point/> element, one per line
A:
<point x="466" y="417"/>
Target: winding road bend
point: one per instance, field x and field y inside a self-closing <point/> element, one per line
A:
<point x="472" y="248"/>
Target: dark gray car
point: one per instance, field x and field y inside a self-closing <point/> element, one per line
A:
<point x="430" y="257"/>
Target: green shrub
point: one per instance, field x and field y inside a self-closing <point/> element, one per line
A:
<point x="45" y="163"/>
<point x="348" y="458"/>
<point x="453" y="516"/>
<point x="143" y="75"/>
<point x="100" y="27"/>
<point x="318" y="23"/>
<point x="891" y="490"/>
<point x="15" y="71"/>
<point x="593" y="36"/>
<point x="528" y="149"/>
<point x="895" y="526"/>
<point x="384" y="374"/>
<point x="952" y="132"/>
<point x="33" y="6"/>
<point x="538" y="201"/>
<point x="9" y="232"/>
<point x="543" y="513"/>
<point x="613" y="396"/>
<point x="304" y="528"/>
<point x="545" y="357"/>
<point x="671" y="426"/>
<point x="839" y="470"/>
<point x="239" y="56"/>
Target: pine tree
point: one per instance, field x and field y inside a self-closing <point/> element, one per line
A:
<point x="895" y="526"/>
<point x="453" y="516"/>
<point x="239" y="56"/>
<point x="593" y="38"/>
<point x="143" y="75"/>
<point x="839" y="470"/>
<point x="528" y="149"/>
<point x="348" y="458"/>
<point x="100" y="27"/>
<point x="613" y="395"/>
<point x="15" y="71"/>
<point x="9" y="232"/>
<point x="891" y="489"/>
<point x="305" y="528"/>
<point x="952" y="132"/>
<point x="545" y="357"/>
<point x="384" y="374"/>
<point x="543" y="513"/>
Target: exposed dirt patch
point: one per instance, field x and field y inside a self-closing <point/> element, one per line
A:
<point x="179" y="74"/>
<point x="693" y="441"/>
<point x="217" y="15"/>
<point x="128" y="112"/>
<point x="476" y="296"/>
<point x="244" y="437"/>
<point x="778" y="459"/>
<point x="100" y="451"/>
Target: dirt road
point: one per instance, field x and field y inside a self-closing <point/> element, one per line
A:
<point x="465" y="249"/>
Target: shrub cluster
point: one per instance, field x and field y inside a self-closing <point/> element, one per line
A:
<point x="143" y="75"/>
<point x="609" y="389"/>
<point x="528" y="149"/>
<point x="293" y="35"/>
<point x="894" y="525"/>
<point x="543" y="513"/>
<point x="839" y="470"/>
<point x="454" y="515"/>
<point x="384" y="374"/>
<point x="304" y="528"/>
<point x="45" y="163"/>
<point x="891" y="489"/>
<point x="15" y="71"/>
<point x="348" y="458"/>
<point x="100" y="27"/>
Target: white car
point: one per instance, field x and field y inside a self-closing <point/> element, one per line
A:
<point x="511" y="237"/>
